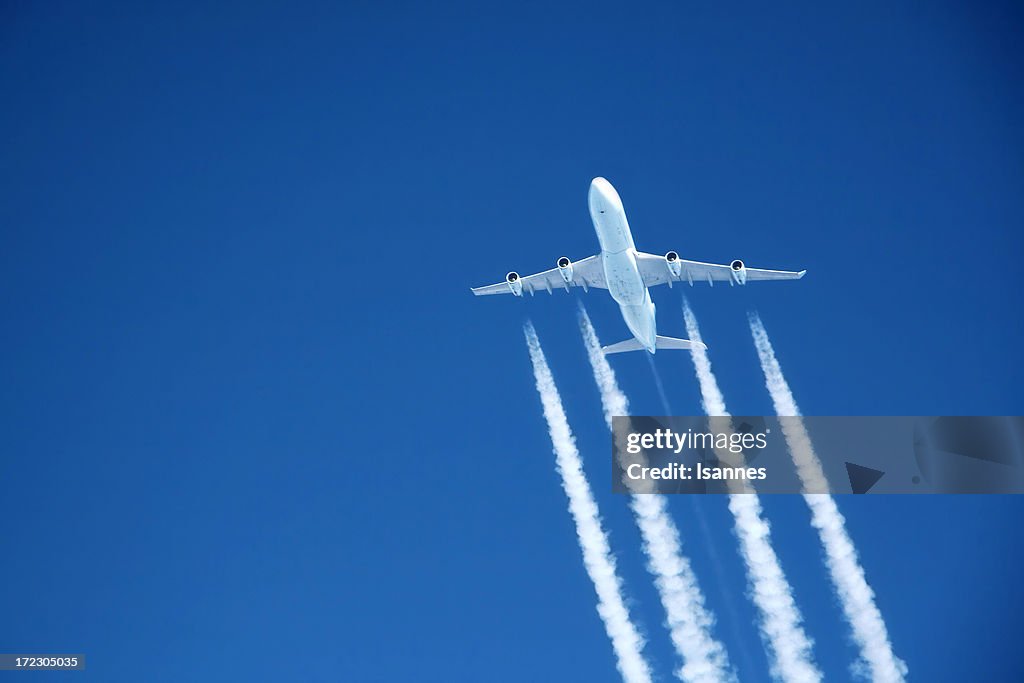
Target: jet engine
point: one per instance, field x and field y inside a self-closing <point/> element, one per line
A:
<point x="674" y="265"/>
<point x="565" y="269"/>
<point x="738" y="272"/>
<point x="514" y="283"/>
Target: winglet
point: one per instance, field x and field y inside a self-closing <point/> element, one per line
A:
<point x="801" y="274"/>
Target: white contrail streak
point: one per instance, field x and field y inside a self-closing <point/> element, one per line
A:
<point x="856" y="597"/>
<point x="597" y="555"/>
<point x="689" y="621"/>
<point x="659" y="386"/>
<point x="789" y="648"/>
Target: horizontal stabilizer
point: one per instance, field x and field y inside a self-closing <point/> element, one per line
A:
<point x="662" y="343"/>
<point x="623" y="346"/>
<point x="673" y="343"/>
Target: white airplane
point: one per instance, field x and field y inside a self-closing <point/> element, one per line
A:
<point x="627" y="273"/>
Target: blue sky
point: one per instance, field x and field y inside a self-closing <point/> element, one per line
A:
<point x="255" y="426"/>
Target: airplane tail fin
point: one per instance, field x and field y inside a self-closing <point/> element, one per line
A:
<point x="662" y="343"/>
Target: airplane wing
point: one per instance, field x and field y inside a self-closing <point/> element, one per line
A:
<point x="586" y="274"/>
<point x="655" y="270"/>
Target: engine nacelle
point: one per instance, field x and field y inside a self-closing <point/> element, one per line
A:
<point x="514" y="283"/>
<point x="565" y="269"/>
<point x="738" y="271"/>
<point x="675" y="266"/>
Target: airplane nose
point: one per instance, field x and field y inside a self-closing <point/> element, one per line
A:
<point x="603" y="196"/>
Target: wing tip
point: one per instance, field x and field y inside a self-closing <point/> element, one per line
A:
<point x="801" y="274"/>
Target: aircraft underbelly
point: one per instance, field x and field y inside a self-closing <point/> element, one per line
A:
<point x="612" y="228"/>
<point x="623" y="278"/>
<point x="618" y="256"/>
<point x="640" y="321"/>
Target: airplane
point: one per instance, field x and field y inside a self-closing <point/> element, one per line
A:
<point x="627" y="273"/>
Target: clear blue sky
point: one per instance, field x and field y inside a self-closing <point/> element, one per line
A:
<point x="255" y="427"/>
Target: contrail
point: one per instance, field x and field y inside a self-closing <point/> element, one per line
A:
<point x="659" y="386"/>
<point x="689" y="621"/>
<point x="597" y="555"/>
<point x="856" y="597"/>
<point x="781" y="626"/>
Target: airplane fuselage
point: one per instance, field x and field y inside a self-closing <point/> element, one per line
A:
<point x="618" y="256"/>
